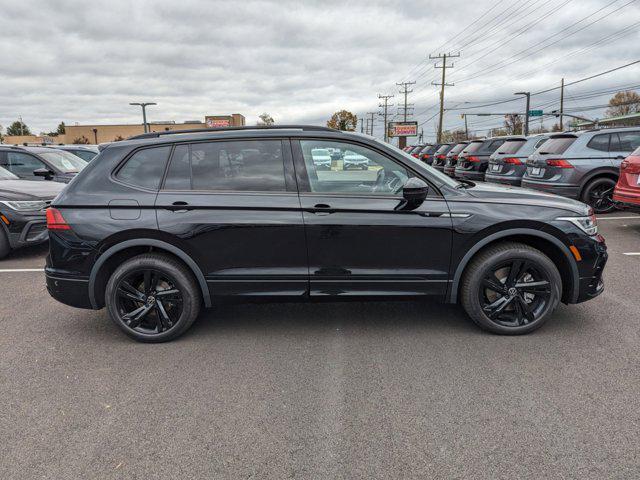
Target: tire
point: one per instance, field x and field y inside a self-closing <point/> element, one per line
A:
<point x="145" y="286"/>
<point x="593" y="194"/>
<point x="482" y="303"/>
<point x="5" y="247"/>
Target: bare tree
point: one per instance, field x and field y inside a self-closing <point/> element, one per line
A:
<point x="624" y="103"/>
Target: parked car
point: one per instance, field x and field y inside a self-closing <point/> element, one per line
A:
<point x="408" y="147"/>
<point x="583" y="165"/>
<point x="473" y="165"/>
<point x="440" y="156"/>
<point x="22" y="211"/>
<point x="161" y="227"/>
<point x="426" y="154"/>
<point x="40" y="163"/>
<point x="452" y="158"/>
<point x="321" y="158"/>
<point x="85" y="152"/>
<point x="508" y="164"/>
<point x="627" y="191"/>
<point x="415" y="151"/>
<point x="354" y="160"/>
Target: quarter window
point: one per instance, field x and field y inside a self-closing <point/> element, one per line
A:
<point x="357" y="170"/>
<point x="145" y="167"/>
<point x="248" y="165"/>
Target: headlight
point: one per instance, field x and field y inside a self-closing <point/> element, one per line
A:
<point x="588" y="225"/>
<point x="26" y="206"/>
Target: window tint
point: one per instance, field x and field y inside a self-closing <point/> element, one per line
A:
<point x="472" y="147"/>
<point x="428" y="150"/>
<point x="457" y="149"/>
<point x="629" y="141"/>
<point x="491" y="146"/>
<point x="22" y="164"/>
<point x="443" y="149"/>
<point x="248" y="165"/>
<point x="362" y="170"/>
<point x="6" y="174"/>
<point x="511" y="146"/>
<point x="145" y="167"/>
<point x="557" y="144"/>
<point x="599" y="142"/>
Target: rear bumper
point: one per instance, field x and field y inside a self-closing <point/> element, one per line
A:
<point x="566" y="190"/>
<point x="503" y="179"/>
<point x="67" y="289"/>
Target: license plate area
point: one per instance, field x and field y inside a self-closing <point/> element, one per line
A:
<point x="496" y="168"/>
<point x="537" y="171"/>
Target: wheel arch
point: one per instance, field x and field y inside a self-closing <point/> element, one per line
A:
<point x="547" y="243"/>
<point x="141" y="245"/>
<point x="606" y="172"/>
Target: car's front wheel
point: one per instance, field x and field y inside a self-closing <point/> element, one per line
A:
<point x="153" y="298"/>
<point x="511" y="288"/>
<point x="599" y="195"/>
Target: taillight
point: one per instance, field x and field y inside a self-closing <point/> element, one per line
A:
<point x="55" y="220"/>
<point x="512" y="161"/>
<point x="559" y="162"/>
<point x="473" y="158"/>
<point x="414" y="155"/>
<point x="454" y="157"/>
<point x="441" y="157"/>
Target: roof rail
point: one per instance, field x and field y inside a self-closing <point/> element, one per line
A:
<point x="226" y="129"/>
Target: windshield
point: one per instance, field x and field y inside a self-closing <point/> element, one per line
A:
<point x="64" y="161"/>
<point x="7" y="175"/>
<point x="458" y="148"/>
<point x="85" y="155"/>
<point x="443" y="149"/>
<point x="472" y="147"/>
<point x="428" y="150"/>
<point x="511" y="146"/>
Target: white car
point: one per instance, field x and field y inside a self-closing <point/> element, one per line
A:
<point x="321" y="158"/>
<point x="352" y="159"/>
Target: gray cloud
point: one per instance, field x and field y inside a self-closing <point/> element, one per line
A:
<point x="83" y="62"/>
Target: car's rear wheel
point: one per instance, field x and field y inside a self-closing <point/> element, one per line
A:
<point x="153" y="298"/>
<point x="511" y="288"/>
<point x="599" y="194"/>
<point x="5" y="247"/>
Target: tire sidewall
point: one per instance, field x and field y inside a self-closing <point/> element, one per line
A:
<point x="183" y="282"/>
<point x="541" y="262"/>
<point x="591" y="185"/>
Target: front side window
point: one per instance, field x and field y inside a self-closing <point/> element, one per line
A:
<point x="362" y="171"/>
<point x="145" y="167"/>
<point x="243" y="165"/>
<point x="22" y="164"/>
<point x="7" y="175"/>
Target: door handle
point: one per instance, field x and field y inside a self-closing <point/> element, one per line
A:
<point x="322" y="209"/>
<point x="179" y="207"/>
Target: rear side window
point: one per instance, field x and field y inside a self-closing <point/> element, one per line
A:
<point x="600" y="142"/>
<point x="145" y="168"/>
<point x="511" y="146"/>
<point x="557" y="145"/>
<point x="248" y="165"/>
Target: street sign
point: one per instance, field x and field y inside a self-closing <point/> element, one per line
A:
<point x="403" y="129"/>
<point x="535" y="113"/>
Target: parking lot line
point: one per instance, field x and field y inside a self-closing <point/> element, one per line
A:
<point x="631" y="253"/>
<point x="8" y="270"/>
<point x="635" y="217"/>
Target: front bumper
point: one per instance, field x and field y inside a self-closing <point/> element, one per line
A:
<point x="563" y="189"/>
<point x="591" y="267"/>
<point x="24" y="228"/>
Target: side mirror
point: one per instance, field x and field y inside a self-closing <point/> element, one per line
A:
<point x="415" y="192"/>
<point x="43" y="172"/>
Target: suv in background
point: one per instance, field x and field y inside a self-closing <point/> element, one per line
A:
<point x="508" y="164"/>
<point x="166" y="223"/>
<point x="472" y="165"/>
<point x="40" y="163"/>
<point x="452" y="158"/>
<point x="85" y="152"/>
<point x="440" y="155"/>
<point x="22" y="211"/>
<point x="627" y="191"/>
<point x="584" y="165"/>
<point x="426" y="154"/>
<point x="415" y="151"/>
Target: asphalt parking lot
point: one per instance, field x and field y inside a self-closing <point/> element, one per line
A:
<point x="364" y="390"/>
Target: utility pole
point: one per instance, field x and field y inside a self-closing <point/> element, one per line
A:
<point x="361" y="124"/>
<point x="144" y="106"/>
<point x="421" y="136"/>
<point x="526" y="115"/>
<point x="561" y="103"/>
<point x="385" y="114"/>
<point x="21" y="126"/>
<point x="402" y="141"/>
<point x="466" y="127"/>
<point x="442" y="84"/>
<point x="370" y="123"/>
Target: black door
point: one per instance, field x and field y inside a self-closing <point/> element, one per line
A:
<point x="359" y="241"/>
<point x="233" y="206"/>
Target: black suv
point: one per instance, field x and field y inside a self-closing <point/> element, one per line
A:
<point x="40" y="163"/>
<point x="473" y="160"/>
<point x="22" y="211"/>
<point x="166" y="223"/>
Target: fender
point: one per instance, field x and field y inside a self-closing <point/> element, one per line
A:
<point x="597" y="173"/>
<point x="148" y="242"/>
<point x="453" y="292"/>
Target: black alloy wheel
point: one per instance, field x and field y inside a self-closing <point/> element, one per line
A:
<point x="599" y="195"/>
<point x="510" y="288"/>
<point x="153" y="297"/>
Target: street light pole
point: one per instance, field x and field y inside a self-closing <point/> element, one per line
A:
<point x="526" y="116"/>
<point x="144" y="112"/>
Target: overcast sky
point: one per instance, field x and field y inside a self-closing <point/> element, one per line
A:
<point x="80" y="61"/>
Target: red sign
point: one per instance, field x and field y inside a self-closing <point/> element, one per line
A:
<point x="403" y="129"/>
<point x="218" y="122"/>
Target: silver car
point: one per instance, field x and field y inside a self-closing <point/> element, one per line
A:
<point x="508" y="164"/>
<point x="582" y="165"/>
